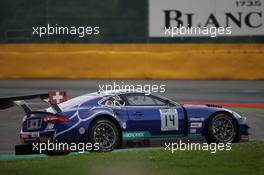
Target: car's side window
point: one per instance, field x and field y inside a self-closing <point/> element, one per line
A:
<point x="113" y="101"/>
<point x="143" y="100"/>
<point x="159" y="102"/>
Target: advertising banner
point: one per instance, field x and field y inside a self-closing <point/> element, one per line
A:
<point x="196" y="17"/>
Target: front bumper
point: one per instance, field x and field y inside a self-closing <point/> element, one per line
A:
<point x="245" y="134"/>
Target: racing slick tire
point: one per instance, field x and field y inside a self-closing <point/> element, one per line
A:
<point x="105" y="134"/>
<point x="221" y="128"/>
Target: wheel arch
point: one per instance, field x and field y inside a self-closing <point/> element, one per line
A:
<point x="204" y="132"/>
<point x="114" y="120"/>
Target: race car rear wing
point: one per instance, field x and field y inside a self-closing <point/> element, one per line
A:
<point x="53" y="98"/>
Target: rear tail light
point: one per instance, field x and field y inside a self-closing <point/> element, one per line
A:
<point x="55" y="119"/>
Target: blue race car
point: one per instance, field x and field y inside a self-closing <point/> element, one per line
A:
<point x="111" y="118"/>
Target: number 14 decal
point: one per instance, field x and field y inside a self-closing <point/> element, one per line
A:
<point x="169" y="119"/>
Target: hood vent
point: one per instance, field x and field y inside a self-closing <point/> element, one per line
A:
<point x="214" y="106"/>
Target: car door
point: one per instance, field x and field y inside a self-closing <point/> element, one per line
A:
<point x="153" y="116"/>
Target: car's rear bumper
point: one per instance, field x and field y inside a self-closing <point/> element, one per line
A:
<point x="37" y="136"/>
<point x="29" y="138"/>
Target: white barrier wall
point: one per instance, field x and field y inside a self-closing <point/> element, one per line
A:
<point x="245" y="17"/>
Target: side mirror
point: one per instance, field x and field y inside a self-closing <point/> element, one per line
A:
<point x="167" y="102"/>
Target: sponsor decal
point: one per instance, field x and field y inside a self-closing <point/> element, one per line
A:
<point x="135" y="135"/>
<point x="146" y="134"/>
<point x="196" y="119"/>
<point x="196" y="125"/>
<point x="57" y="97"/>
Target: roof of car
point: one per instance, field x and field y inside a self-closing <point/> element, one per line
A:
<point x="116" y="92"/>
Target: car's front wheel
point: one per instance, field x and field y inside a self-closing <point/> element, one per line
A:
<point x="221" y="128"/>
<point x="104" y="133"/>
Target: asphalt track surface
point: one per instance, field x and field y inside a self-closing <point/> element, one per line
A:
<point x="196" y="91"/>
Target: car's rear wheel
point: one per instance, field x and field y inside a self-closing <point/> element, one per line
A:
<point x="221" y="128"/>
<point x="104" y="133"/>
